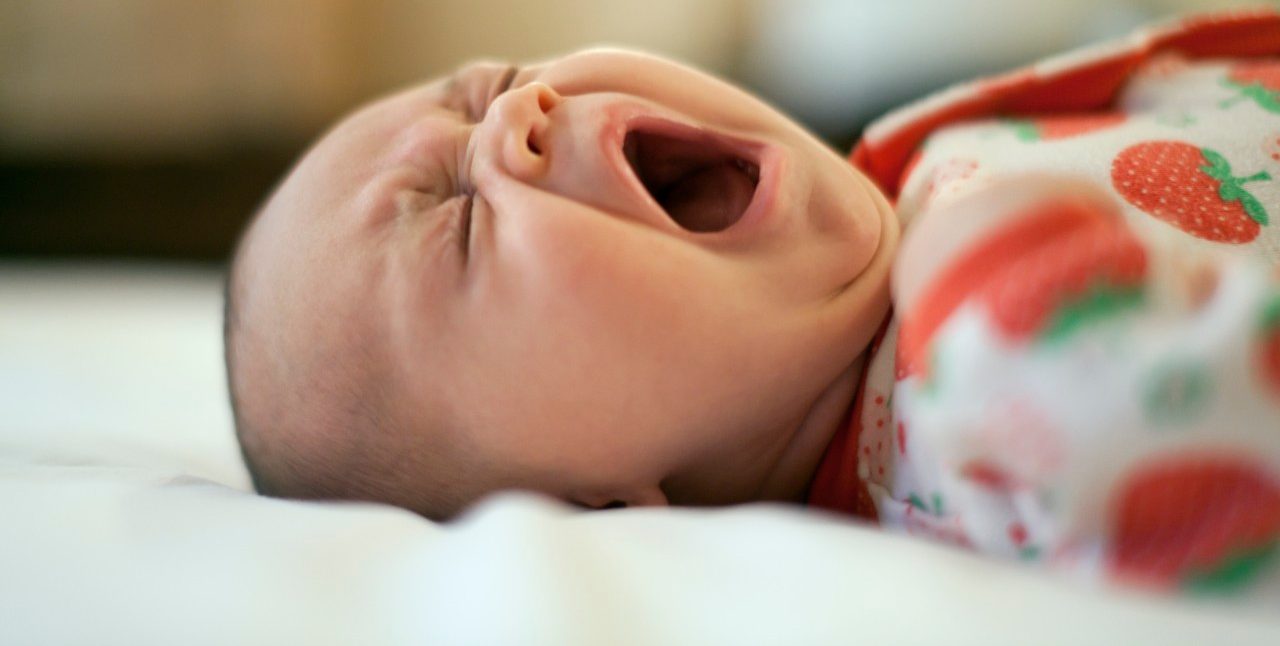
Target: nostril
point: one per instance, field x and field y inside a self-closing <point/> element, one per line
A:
<point x="546" y="101"/>
<point x="533" y="145"/>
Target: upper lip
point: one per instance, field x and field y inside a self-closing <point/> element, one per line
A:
<point x="755" y="153"/>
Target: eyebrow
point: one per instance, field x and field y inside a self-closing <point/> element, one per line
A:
<point x="508" y="77"/>
<point x="504" y="83"/>
<point x="452" y="86"/>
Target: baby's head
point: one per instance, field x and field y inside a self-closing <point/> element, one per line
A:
<point x="608" y="278"/>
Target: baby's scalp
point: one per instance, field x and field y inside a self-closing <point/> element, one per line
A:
<point x="511" y="305"/>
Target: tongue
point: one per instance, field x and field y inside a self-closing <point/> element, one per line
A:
<point x="709" y="199"/>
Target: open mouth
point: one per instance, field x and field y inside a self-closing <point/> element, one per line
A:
<point x="701" y="182"/>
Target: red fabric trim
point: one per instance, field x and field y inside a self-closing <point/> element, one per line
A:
<point x="836" y="485"/>
<point x="1247" y="34"/>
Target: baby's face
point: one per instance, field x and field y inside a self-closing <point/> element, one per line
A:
<point x="605" y="277"/>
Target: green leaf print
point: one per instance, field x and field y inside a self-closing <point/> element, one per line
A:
<point x="1176" y="119"/>
<point x="1266" y="99"/>
<point x="1231" y="188"/>
<point x="1219" y="168"/>
<point x="1025" y="130"/>
<point x="1255" y="209"/>
<point x="1233" y="573"/>
<point x="1101" y="301"/>
<point x="1256" y="92"/>
<point x="1178" y="393"/>
<point x="915" y="501"/>
<point x="1270" y="319"/>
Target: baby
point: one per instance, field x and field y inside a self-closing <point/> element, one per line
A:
<point x="608" y="278"/>
<point x="619" y="281"/>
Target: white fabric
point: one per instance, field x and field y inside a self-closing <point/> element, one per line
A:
<point x="125" y="520"/>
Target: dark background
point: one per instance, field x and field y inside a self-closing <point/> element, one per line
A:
<point x="163" y="209"/>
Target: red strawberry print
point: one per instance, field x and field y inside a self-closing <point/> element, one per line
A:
<point x="1257" y="81"/>
<point x="1017" y="533"/>
<point x="987" y="475"/>
<point x="1269" y="354"/>
<point x="1085" y="276"/>
<point x="1208" y="522"/>
<point x="1052" y="267"/>
<point x="1190" y="188"/>
<point x="1065" y="126"/>
<point x="1019" y="536"/>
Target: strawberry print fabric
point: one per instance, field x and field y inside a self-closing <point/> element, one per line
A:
<point x="1105" y="400"/>
<point x="1189" y="151"/>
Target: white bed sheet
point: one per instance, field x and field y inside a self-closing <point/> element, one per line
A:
<point x="126" y="520"/>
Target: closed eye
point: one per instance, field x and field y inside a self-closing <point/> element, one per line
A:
<point x="471" y="90"/>
<point x="505" y="80"/>
<point x="464" y="224"/>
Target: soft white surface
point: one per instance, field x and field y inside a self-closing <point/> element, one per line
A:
<point x="125" y="521"/>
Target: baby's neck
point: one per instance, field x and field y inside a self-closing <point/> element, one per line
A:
<point x="795" y="469"/>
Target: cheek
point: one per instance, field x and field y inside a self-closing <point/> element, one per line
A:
<point x="846" y="210"/>
<point x="593" y="327"/>
<point x="598" y="267"/>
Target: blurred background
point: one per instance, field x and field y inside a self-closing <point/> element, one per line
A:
<point x="153" y="128"/>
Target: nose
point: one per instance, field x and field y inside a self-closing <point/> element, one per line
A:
<point x="521" y="115"/>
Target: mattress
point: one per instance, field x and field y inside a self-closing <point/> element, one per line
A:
<point x="128" y="519"/>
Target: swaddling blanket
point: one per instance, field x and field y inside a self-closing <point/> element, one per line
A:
<point x="1095" y="388"/>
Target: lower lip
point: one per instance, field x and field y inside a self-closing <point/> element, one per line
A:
<point x="768" y="161"/>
